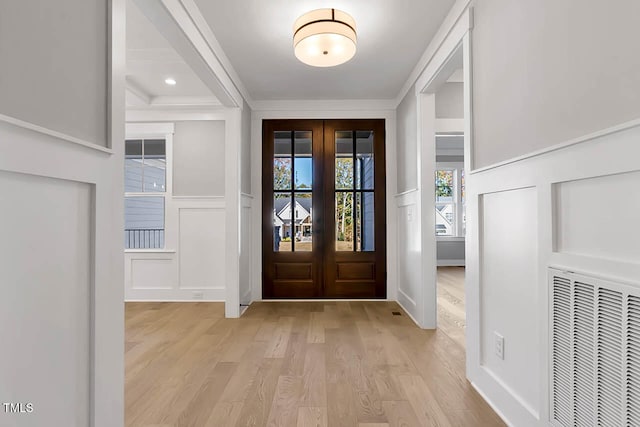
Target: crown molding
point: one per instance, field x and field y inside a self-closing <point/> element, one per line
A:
<point x="325" y="105"/>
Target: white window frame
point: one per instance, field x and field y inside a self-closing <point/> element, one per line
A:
<point x="458" y="207"/>
<point x="156" y="131"/>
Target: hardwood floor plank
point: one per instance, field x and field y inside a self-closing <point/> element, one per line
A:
<point x="295" y="364"/>
<point x="284" y="409"/>
<point x="314" y="385"/>
<point x="200" y="407"/>
<point x="255" y="411"/>
<point x="239" y="385"/>
<point x="312" y="417"/>
<point x="316" y="327"/>
<point x="423" y="402"/>
<point x="400" y="413"/>
<point x="225" y="414"/>
<point x="451" y="304"/>
<point x="278" y="343"/>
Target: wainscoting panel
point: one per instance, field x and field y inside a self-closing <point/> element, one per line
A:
<point x="192" y="265"/>
<point x="408" y="241"/>
<point x="575" y="209"/>
<point x="46" y="303"/>
<point x="152" y="272"/>
<point x="201" y="248"/>
<point x="598" y="217"/>
<point x="508" y="289"/>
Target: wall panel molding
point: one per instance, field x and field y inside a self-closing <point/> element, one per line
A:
<point x="563" y="177"/>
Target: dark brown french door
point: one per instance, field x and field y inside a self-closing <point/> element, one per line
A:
<point x="324" y="215"/>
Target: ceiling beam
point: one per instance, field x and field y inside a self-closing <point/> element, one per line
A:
<point x="175" y="24"/>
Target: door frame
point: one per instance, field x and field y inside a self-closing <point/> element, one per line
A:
<point x="325" y="110"/>
<point x="324" y="256"/>
<point x="457" y="43"/>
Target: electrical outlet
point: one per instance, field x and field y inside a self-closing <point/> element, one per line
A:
<point x="499" y="345"/>
<point x="198" y="295"/>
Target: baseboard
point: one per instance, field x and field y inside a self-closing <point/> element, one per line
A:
<point x="491" y="404"/>
<point x="409" y="314"/>
<point x="451" y="263"/>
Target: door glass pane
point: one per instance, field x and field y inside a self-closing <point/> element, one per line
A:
<point x="281" y="173"/>
<point x="365" y="222"/>
<point x="344" y="160"/>
<point x="303" y="222"/>
<point x="444" y="186"/>
<point x="155" y="165"/>
<point x="344" y="221"/>
<point x="303" y="160"/>
<point x="282" y="222"/>
<point x="282" y="143"/>
<point x="282" y="161"/>
<point x="364" y="160"/>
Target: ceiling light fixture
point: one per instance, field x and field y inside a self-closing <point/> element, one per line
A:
<point x="170" y="81"/>
<point x="324" y="37"/>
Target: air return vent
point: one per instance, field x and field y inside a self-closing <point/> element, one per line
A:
<point x="595" y="354"/>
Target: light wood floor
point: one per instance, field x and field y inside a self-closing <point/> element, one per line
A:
<point x="451" y="314"/>
<point x="293" y="364"/>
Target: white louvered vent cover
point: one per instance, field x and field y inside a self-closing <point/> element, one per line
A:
<point x="595" y="352"/>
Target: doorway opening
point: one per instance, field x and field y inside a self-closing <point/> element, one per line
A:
<point x="450" y="212"/>
<point x="324" y="209"/>
<point x="450" y="218"/>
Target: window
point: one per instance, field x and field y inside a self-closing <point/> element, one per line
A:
<point x="450" y="211"/>
<point x="145" y="191"/>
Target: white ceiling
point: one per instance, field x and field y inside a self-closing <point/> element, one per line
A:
<point x="150" y="60"/>
<point x="256" y="36"/>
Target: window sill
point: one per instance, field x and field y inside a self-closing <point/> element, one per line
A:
<point x="449" y="239"/>
<point x="149" y="251"/>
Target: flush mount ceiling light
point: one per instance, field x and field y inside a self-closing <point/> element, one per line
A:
<point x="170" y="81"/>
<point x="324" y="37"/>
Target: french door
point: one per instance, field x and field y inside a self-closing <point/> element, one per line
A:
<point x="324" y="214"/>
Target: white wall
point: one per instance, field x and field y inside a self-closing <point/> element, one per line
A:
<point x="245" y="156"/>
<point x="192" y="266"/>
<point x="198" y="158"/>
<point x="557" y="77"/>
<point x="449" y="101"/>
<point x="46" y="297"/>
<point x="61" y="220"/>
<point x="450" y="252"/>
<point x="545" y="72"/>
<point x="407" y="143"/>
<point x="43" y="82"/>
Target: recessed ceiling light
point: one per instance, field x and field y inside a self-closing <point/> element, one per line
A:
<point x="170" y="81"/>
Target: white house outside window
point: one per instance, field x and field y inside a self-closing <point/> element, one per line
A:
<point x="145" y="191"/>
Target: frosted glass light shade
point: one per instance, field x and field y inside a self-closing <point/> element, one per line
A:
<point x="324" y="38"/>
